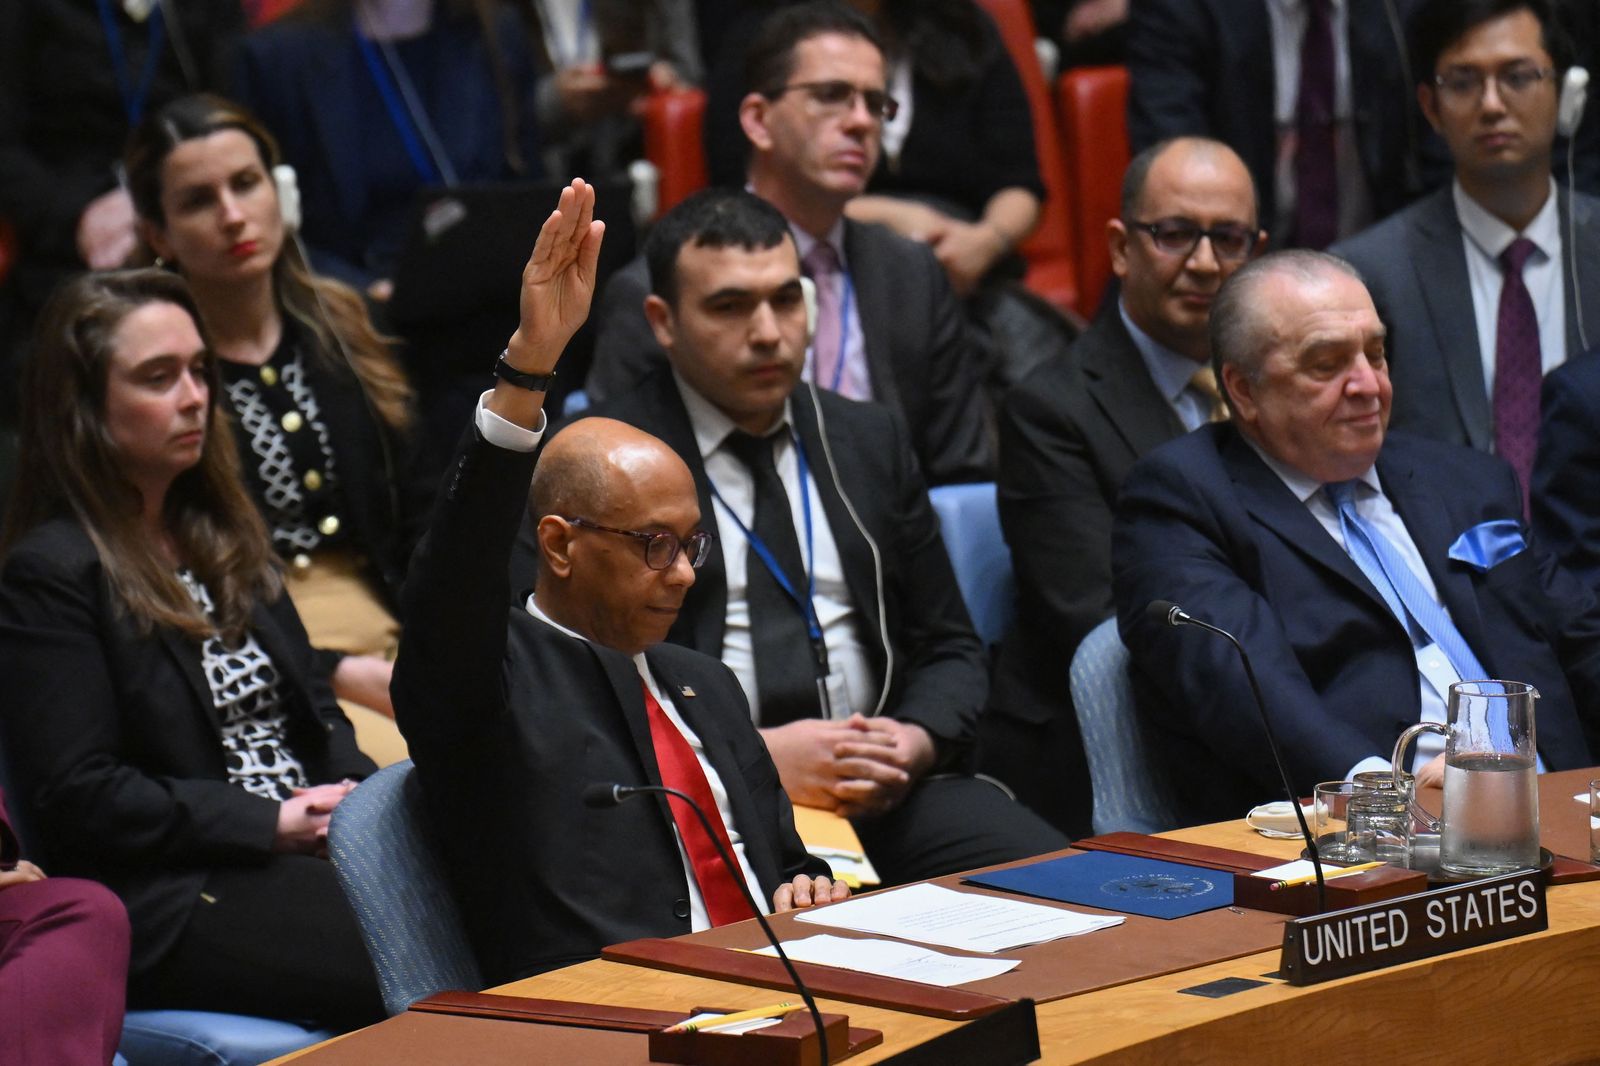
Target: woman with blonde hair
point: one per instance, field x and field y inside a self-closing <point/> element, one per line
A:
<point x="170" y="733"/>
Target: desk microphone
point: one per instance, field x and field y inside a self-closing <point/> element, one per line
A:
<point x="1165" y="612"/>
<point x="604" y="794"/>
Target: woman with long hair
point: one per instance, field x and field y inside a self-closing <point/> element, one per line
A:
<point x="170" y="733"/>
<point x="323" y="409"/>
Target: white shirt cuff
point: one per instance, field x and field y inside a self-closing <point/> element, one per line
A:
<point x="504" y="434"/>
<point x="1369" y="764"/>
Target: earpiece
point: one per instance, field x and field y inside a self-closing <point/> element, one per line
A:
<point x="283" y="176"/>
<point x="808" y="292"/>
<point x="1574" y="94"/>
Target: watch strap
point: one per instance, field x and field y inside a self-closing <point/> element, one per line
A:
<point x="521" y="378"/>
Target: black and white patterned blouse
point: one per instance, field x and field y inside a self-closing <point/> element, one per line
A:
<point x="285" y="448"/>
<point x="245" y="690"/>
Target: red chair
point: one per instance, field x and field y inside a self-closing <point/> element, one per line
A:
<point x="672" y="142"/>
<point x="1094" y="125"/>
<point x="1052" y="268"/>
<point x="260" y="12"/>
<point x="8" y="250"/>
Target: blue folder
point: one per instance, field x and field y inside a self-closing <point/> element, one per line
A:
<point x="1112" y="882"/>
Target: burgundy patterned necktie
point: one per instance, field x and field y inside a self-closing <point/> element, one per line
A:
<point x="1316" y="207"/>
<point x="1518" y="368"/>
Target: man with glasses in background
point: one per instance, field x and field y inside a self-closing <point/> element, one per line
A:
<point x="889" y="327"/>
<point x="1486" y="285"/>
<point x="512" y="711"/>
<point x="1070" y="431"/>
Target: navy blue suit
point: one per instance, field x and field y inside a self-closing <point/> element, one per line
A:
<point x="1203" y="522"/>
<point x="1566" y="474"/>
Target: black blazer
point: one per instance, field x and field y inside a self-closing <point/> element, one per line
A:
<point x="383" y="497"/>
<point x="1416" y="271"/>
<point x="1204" y="67"/>
<point x="114" y="738"/>
<point x="62" y="122"/>
<point x="923" y="360"/>
<point x="939" y="681"/>
<point x="1205" y="523"/>
<point x="508" y="719"/>
<point x="1566" y="474"/>
<point x="1069" y="433"/>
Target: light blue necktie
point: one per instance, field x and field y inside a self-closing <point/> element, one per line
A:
<point x="1398" y="585"/>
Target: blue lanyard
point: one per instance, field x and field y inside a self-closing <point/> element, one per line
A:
<point x="807" y="607"/>
<point x="397" y="113"/>
<point x="844" y="329"/>
<point x="134" y="97"/>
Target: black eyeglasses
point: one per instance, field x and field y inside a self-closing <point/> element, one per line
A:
<point x="1463" y="86"/>
<point x="1181" y="236"/>
<point x="837" y="97"/>
<point x="660" y="549"/>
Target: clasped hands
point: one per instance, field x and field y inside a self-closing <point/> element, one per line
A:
<point x="303" y="818"/>
<point x="858" y="766"/>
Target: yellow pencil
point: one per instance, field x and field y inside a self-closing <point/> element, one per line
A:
<point x="712" y="1025"/>
<point x="1327" y="875"/>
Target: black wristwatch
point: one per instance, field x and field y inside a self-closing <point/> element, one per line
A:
<point x="521" y="379"/>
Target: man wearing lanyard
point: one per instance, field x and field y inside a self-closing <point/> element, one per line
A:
<point x="889" y="328"/>
<point x="829" y="593"/>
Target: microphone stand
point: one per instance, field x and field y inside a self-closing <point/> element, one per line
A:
<point x="601" y="795"/>
<point x="1171" y="614"/>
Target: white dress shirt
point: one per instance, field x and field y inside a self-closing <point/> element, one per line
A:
<point x="1484" y="237"/>
<point x="503" y="434"/>
<point x="1289" y="19"/>
<point x="852" y="683"/>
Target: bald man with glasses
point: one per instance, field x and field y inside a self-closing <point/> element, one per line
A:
<point x="1071" y="430"/>
<point x="510" y="714"/>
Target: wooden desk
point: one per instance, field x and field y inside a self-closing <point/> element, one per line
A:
<point x="1521" y="1001"/>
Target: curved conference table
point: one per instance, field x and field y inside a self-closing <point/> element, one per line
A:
<point x="1529" y="1000"/>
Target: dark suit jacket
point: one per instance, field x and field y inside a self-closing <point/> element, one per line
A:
<point x="1416" y="270"/>
<point x="62" y="121"/>
<point x="114" y="737"/>
<point x="1203" y="522"/>
<point x="922" y="358"/>
<point x="939" y="681"/>
<point x="1069" y="434"/>
<point x="508" y="719"/>
<point x="383" y="499"/>
<point x="1566" y="474"/>
<point x="1204" y="67"/>
<point x="306" y="80"/>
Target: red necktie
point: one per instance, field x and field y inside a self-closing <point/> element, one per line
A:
<point x="680" y="769"/>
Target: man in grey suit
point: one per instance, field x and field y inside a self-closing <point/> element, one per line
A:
<point x="889" y="327"/>
<point x="1070" y="431"/>
<point x="1490" y="283"/>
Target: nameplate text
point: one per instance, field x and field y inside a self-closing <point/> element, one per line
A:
<point x="1374" y="935"/>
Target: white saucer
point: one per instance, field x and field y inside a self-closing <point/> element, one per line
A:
<point x="1276" y="820"/>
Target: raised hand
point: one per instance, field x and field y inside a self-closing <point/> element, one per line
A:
<point x="559" y="280"/>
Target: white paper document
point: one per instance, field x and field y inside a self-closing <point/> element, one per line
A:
<point x="1290" y="870"/>
<point x="890" y="958"/>
<point x="965" y="920"/>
